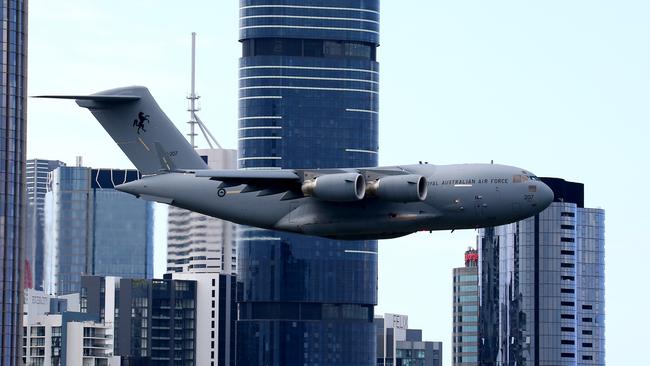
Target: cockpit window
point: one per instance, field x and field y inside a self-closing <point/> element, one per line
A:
<point x="532" y="177"/>
<point x="519" y="178"/>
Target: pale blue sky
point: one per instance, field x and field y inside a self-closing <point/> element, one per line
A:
<point x="559" y="87"/>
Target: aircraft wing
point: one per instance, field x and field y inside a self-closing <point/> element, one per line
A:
<point x="269" y="182"/>
<point x="265" y="182"/>
<point x="248" y="175"/>
<point x="288" y="176"/>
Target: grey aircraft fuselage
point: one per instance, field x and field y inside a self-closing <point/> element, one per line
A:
<point x="354" y="203"/>
<point x="458" y="197"/>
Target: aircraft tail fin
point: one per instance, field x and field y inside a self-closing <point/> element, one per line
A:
<point x="140" y="128"/>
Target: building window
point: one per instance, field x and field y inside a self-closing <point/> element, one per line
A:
<point x="567" y="265"/>
<point x="567" y="240"/>
<point x="567" y="291"/>
<point x="567" y="316"/>
<point x="308" y="48"/>
<point x="567" y="303"/>
<point x="587" y="332"/>
<point x="569" y="329"/>
<point x="568" y="355"/>
<point x="467" y="298"/>
<point x="468" y="328"/>
<point x="468" y="278"/>
<point x="568" y="214"/>
<point x="567" y="341"/>
<point x="567" y="252"/>
<point x="468" y="288"/>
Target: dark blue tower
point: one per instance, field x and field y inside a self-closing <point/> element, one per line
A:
<point x="308" y="98"/>
<point x="12" y="176"/>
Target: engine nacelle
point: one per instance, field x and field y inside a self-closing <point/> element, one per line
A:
<point x="341" y="187"/>
<point x="399" y="188"/>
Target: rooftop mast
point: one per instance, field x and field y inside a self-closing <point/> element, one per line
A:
<point x="194" y="107"/>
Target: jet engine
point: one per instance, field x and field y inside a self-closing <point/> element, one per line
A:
<point x="399" y="188"/>
<point x="341" y="187"/>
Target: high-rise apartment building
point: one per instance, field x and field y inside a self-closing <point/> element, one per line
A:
<point x="542" y="283"/>
<point x="91" y="228"/>
<point x="397" y="345"/>
<point x="57" y="334"/>
<point x="465" y="311"/>
<point x="154" y="321"/>
<point x="216" y="314"/>
<point x="13" y="134"/>
<point x="308" y="98"/>
<point x="199" y="243"/>
<point x="183" y="319"/>
<point x="36" y="186"/>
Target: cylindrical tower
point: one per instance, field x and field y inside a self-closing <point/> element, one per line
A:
<point x="308" y="98"/>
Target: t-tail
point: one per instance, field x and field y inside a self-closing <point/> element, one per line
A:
<point x="140" y="128"/>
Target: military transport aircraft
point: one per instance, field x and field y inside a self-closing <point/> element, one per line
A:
<point x="349" y="204"/>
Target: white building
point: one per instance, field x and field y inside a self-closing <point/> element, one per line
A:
<point x="215" y="316"/>
<point x="199" y="243"/>
<point x="55" y="333"/>
<point x="53" y="339"/>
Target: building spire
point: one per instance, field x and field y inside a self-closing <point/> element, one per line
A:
<point x="194" y="107"/>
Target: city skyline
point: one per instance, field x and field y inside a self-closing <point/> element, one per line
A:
<point x="492" y="70"/>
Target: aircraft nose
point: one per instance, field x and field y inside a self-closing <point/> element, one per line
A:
<point x="136" y="187"/>
<point x="545" y="194"/>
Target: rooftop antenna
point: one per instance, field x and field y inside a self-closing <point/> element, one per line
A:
<point x="194" y="107"/>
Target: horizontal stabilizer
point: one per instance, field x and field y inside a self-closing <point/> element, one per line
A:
<point x="94" y="98"/>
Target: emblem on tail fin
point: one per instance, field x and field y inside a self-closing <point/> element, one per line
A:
<point x="142" y="118"/>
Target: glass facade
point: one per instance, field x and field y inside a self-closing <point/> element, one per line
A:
<point x="308" y="98"/>
<point x="36" y="186"/>
<point x="465" y="312"/>
<point x="154" y="319"/>
<point x="93" y="229"/>
<point x="542" y="285"/>
<point x="12" y="175"/>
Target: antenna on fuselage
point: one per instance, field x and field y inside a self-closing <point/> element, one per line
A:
<point x="195" y="107"/>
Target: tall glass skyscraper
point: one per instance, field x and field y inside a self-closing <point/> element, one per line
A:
<point x="308" y="95"/>
<point x="12" y="175"/>
<point x="94" y="229"/>
<point x="542" y="283"/>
